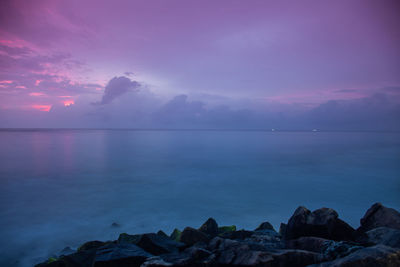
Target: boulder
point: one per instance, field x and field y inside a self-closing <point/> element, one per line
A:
<point x="191" y="236"/>
<point x="176" y="235"/>
<point x="379" y="216"/>
<point x="153" y="243"/>
<point x="265" y="226"/>
<point x="328" y="248"/>
<point x="322" y="222"/>
<point x="78" y="259"/>
<point x="120" y="255"/>
<point x="66" y="251"/>
<point x="384" y="236"/>
<point x="296" y="258"/>
<point x="210" y="227"/>
<point x="225" y="229"/>
<point x="162" y="233"/>
<point x="282" y="229"/>
<point x="155" y="262"/>
<point x="241" y="234"/>
<point x="91" y="245"/>
<point x="376" y="256"/>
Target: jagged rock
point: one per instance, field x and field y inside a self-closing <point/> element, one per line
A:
<point x="197" y="253"/>
<point x="210" y="227"/>
<point x="323" y="223"/>
<point x="265" y="226"/>
<point x="241" y="234"/>
<point x="152" y="243"/>
<point x="155" y="262"/>
<point x="176" y="235"/>
<point x="328" y="248"/>
<point x="385" y="236"/>
<point x="191" y="236"/>
<point x="379" y="216"/>
<point x="282" y="229"/>
<point x="78" y="259"/>
<point x="66" y="251"/>
<point x="91" y="245"/>
<point x="225" y="229"/>
<point x="162" y="233"/>
<point x="376" y="256"/>
<point x="120" y="255"/>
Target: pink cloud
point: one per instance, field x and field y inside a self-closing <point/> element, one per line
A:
<point x="45" y="108"/>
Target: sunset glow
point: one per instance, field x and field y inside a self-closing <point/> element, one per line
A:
<point x="68" y="102"/>
<point x="42" y="107"/>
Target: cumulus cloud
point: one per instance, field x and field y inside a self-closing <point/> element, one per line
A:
<point x="116" y="87"/>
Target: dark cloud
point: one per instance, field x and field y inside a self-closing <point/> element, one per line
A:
<point x="116" y="87"/>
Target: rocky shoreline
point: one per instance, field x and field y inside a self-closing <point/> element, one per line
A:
<point x="317" y="238"/>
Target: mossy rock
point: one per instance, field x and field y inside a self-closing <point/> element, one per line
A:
<point x="226" y="229"/>
<point x="52" y="259"/>
<point x="126" y="238"/>
<point x="91" y="245"/>
<point x="176" y="235"/>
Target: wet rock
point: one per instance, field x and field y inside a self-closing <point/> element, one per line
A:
<point x="210" y="227"/>
<point x="241" y="234"/>
<point x="379" y="216"/>
<point x="376" y="256"/>
<point x="225" y="229"/>
<point x="91" y="245"/>
<point x="295" y="258"/>
<point x="282" y="229"/>
<point x="78" y="259"/>
<point x="66" y="251"/>
<point x="176" y="235"/>
<point x="197" y="253"/>
<point x="328" y="248"/>
<point x="153" y="243"/>
<point x="384" y="236"/>
<point x="191" y="236"/>
<point x="120" y="255"/>
<point x="323" y="223"/>
<point x="155" y="262"/>
<point x="161" y="233"/>
<point x="265" y="226"/>
<point x="115" y="225"/>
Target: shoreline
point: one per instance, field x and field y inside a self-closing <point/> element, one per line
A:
<point x="317" y="238"/>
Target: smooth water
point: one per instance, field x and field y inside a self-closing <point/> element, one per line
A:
<point x="63" y="187"/>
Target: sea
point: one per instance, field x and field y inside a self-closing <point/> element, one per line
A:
<point x="62" y="187"/>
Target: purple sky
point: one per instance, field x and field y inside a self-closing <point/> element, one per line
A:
<point x="200" y="64"/>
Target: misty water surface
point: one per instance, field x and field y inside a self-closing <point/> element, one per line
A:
<point x="63" y="187"/>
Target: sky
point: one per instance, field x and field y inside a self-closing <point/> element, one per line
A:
<point x="329" y="65"/>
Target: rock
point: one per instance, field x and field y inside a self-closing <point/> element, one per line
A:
<point x="241" y="234"/>
<point x="176" y="235"/>
<point x="120" y="255"/>
<point x="153" y="243"/>
<point x="155" y="262"/>
<point x="210" y="227"/>
<point x="376" y="256"/>
<point x="66" y="251"/>
<point x="265" y="226"/>
<point x="78" y="259"/>
<point x="91" y="245"/>
<point x="115" y="225"/>
<point x="379" y="216"/>
<point x="328" y="248"/>
<point x="126" y="238"/>
<point x="224" y="229"/>
<point x="197" y="253"/>
<point x="191" y="236"/>
<point x="323" y="223"/>
<point x="161" y="233"/>
<point x="282" y="229"/>
<point x="384" y="236"/>
<point x="294" y="258"/>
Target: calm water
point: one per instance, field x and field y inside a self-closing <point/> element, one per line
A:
<point x="64" y="187"/>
